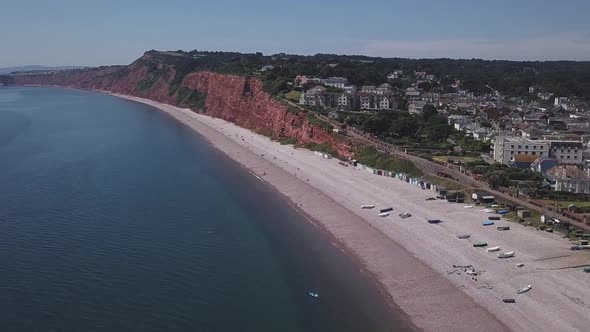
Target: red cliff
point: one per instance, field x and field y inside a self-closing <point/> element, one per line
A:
<point x="238" y="99"/>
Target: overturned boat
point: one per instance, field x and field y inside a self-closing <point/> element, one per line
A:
<point x="405" y="215"/>
<point x="383" y="214"/>
<point x="507" y="254"/>
<point x="367" y="206"/>
<point x="386" y="210"/>
<point x="503" y="228"/>
<point x="488" y="223"/>
<point x="524" y="289"/>
<point x="463" y="236"/>
<point x="493" y="249"/>
<point x="434" y="221"/>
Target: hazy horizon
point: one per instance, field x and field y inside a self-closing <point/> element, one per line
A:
<point x="118" y="33"/>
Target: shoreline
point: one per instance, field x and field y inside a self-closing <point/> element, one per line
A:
<point x="412" y="261"/>
<point x="425" y="310"/>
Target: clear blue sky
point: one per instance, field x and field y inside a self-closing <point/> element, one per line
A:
<point x="67" y="32"/>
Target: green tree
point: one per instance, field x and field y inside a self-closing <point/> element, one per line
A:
<point x="428" y="111"/>
<point x="498" y="178"/>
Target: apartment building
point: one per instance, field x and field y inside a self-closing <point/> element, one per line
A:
<point x="567" y="152"/>
<point x="507" y="147"/>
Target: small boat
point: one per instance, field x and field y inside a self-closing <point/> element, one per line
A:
<point x="468" y="207"/>
<point x="494" y="205"/>
<point x="549" y="230"/>
<point x="493" y="249"/>
<point x="502" y="211"/>
<point x="503" y="228"/>
<point x="524" y="289"/>
<point x="405" y="215"/>
<point x="488" y="223"/>
<point x="509" y="300"/>
<point x="434" y="221"/>
<point x="493" y="218"/>
<point x="312" y="294"/>
<point x="507" y="254"/>
<point x="386" y="210"/>
<point x="383" y="214"/>
<point x="480" y="244"/>
<point x="487" y="210"/>
<point x="367" y="206"/>
<point x="464" y="236"/>
<point x="519" y="264"/>
<point x="587" y="269"/>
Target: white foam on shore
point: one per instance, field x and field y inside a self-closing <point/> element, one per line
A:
<point x="410" y="257"/>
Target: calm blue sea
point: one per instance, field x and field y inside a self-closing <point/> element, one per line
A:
<point x="114" y="217"/>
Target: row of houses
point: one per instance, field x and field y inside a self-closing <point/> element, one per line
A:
<point x="347" y="97"/>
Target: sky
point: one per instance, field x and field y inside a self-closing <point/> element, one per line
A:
<point x="91" y="33"/>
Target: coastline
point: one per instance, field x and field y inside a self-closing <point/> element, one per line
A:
<point x="406" y="282"/>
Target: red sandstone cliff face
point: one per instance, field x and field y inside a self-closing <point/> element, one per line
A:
<point x="237" y="99"/>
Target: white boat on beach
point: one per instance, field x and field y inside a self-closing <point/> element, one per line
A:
<point x="383" y="214"/>
<point x="468" y="207"/>
<point x="367" y="206"/>
<point x="493" y="249"/>
<point x="524" y="289"/>
<point x="487" y="210"/>
<point x="507" y="254"/>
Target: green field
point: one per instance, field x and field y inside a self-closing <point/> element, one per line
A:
<point x="371" y="157"/>
<point x="293" y="95"/>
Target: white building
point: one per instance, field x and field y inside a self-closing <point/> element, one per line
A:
<point x="567" y="152"/>
<point x="337" y="82"/>
<point x="506" y="147"/>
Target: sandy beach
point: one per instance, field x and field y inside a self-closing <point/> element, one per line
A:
<point x="412" y="259"/>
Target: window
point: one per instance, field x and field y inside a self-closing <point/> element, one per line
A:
<point x="541" y="153"/>
<point x="519" y="146"/>
<point x="575" y="157"/>
<point x="512" y="146"/>
<point x="533" y="153"/>
<point x="526" y="152"/>
<point x="511" y="152"/>
<point x="568" y="157"/>
<point x="534" y="147"/>
<point x="526" y="146"/>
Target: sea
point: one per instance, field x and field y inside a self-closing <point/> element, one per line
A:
<point x="116" y="217"/>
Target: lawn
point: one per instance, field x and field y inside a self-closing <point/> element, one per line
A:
<point x="293" y="95"/>
<point x="463" y="160"/>
<point x="450" y="185"/>
<point x="565" y="204"/>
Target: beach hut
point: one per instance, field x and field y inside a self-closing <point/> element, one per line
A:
<point x="523" y="213"/>
<point x="483" y="197"/>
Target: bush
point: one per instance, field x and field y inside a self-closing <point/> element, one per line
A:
<point x="187" y="97"/>
<point x="321" y="147"/>
<point x="373" y="158"/>
<point x="313" y="120"/>
<point x="288" y="141"/>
